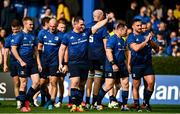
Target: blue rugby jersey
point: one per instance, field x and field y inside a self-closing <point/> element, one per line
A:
<point x="77" y="46"/>
<point x="96" y="49"/>
<point x="118" y="45"/>
<point x="51" y="42"/>
<point x="8" y="42"/>
<point x="25" y="43"/>
<point x="143" y="56"/>
<point x="41" y="33"/>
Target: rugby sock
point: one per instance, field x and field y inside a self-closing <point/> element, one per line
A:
<point x="30" y="94"/>
<point x="82" y="95"/>
<point x="125" y="97"/>
<point x="79" y="97"/>
<point x="74" y="95"/>
<point x="45" y="91"/>
<point x="42" y="97"/>
<point x="60" y="99"/>
<point x="94" y="99"/>
<point x="17" y="98"/>
<point x="70" y="99"/>
<point x="22" y="97"/>
<point x="87" y="100"/>
<point x="148" y="95"/>
<point x="48" y="96"/>
<point x="43" y="94"/>
<point x="101" y="95"/>
<point x="112" y="98"/>
<point x="144" y="94"/>
<point x="136" y="101"/>
<point x="52" y="101"/>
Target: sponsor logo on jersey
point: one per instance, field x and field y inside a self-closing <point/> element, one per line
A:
<point x="25" y="38"/>
<point x="84" y="34"/>
<point x="72" y="37"/>
<point x="56" y="38"/>
<point x="109" y="74"/>
<point x="45" y="36"/>
<point x="137" y="40"/>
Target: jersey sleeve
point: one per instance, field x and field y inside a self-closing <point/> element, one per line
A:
<point x="88" y="31"/>
<point x="7" y="42"/>
<point x="40" y="37"/>
<point x="36" y="41"/>
<point x="17" y="39"/>
<point x="104" y="33"/>
<point x="130" y="40"/>
<point x="61" y="37"/>
<point x="65" y="39"/>
<point x="110" y="43"/>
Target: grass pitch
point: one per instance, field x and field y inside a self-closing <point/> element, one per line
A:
<point x="10" y="107"/>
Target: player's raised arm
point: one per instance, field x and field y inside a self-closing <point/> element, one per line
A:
<point x="100" y="24"/>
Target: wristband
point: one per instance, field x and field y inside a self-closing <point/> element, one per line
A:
<point x="112" y="62"/>
<point x="65" y="63"/>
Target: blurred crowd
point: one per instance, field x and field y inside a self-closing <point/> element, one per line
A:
<point x="164" y="22"/>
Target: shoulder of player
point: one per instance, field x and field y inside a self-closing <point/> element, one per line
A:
<point x="112" y="38"/>
<point x="59" y="33"/>
<point x="8" y="37"/>
<point x="89" y="25"/>
<point x="68" y="34"/>
<point x="19" y="35"/>
<point x="42" y="31"/>
<point x="131" y="36"/>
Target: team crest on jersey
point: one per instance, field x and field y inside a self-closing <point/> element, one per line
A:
<point x="57" y="71"/>
<point x="56" y="38"/>
<point x="33" y="38"/>
<point x="133" y="75"/>
<point x="25" y="38"/>
<point x="137" y="40"/>
<point x="12" y="40"/>
<point x="72" y="37"/>
<point x="84" y="34"/>
<point x="109" y="74"/>
<point x="101" y="67"/>
<point x="119" y="43"/>
<point x="45" y="36"/>
<point x="22" y="72"/>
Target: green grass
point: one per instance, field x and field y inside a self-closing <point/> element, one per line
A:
<point x="10" y="107"/>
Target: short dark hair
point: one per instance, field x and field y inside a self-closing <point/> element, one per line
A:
<point x="121" y="25"/>
<point x="62" y="20"/>
<point x="15" y="23"/>
<point x="116" y="24"/>
<point x="77" y="19"/>
<point x="45" y="20"/>
<point x="136" y="20"/>
<point x="27" y="19"/>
